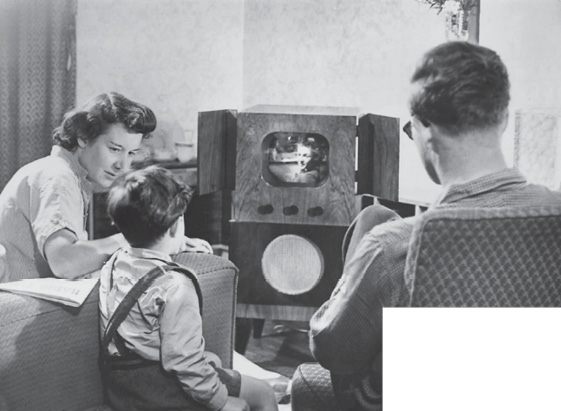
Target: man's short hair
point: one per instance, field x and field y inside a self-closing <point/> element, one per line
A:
<point x="145" y="203"/>
<point x="464" y="87"/>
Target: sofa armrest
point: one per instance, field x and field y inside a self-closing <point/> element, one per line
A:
<point x="48" y="354"/>
<point x="218" y="278"/>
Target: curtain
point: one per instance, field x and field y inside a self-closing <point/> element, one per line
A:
<point x="37" y="77"/>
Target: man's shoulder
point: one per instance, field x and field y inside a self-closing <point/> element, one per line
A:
<point x="390" y="238"/>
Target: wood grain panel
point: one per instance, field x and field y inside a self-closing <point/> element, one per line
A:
<point x="378" y="156"/>
<point x="208" y="217"/>
<point x="275" y="312"/>
<point x="216" y="153"/>
<point x="335" y="197"/>
<point x="248" y="243"/>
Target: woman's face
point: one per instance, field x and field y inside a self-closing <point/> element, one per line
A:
<point x="109" y="155"/>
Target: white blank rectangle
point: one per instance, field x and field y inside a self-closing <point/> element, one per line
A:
<point x="484" y="359"/>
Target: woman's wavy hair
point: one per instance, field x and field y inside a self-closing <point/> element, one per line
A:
<point x="145" y="203"/>
<point x="464" y="87"/>
<point x="88" y="122"/>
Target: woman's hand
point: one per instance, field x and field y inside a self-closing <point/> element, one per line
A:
<point x="196" y="245"/>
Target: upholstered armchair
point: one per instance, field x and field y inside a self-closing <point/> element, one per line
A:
<point x="49" y="352"/>
<point x="460" y="257"/>
<point x="486" y="257"/>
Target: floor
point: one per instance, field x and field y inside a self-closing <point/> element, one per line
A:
<point x="281" y="347"/>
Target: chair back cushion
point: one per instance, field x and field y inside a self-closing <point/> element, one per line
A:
<point x="486" y="257"/>
<point x="218" y="278"/>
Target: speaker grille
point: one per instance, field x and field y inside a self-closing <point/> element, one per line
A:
<point x="292" y="264"/>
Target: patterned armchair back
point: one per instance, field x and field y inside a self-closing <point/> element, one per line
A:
<point x="494" y="257"/>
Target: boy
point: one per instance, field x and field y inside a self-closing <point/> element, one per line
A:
<point x="156" y="360"/>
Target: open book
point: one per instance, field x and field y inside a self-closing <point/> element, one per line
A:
<point x="68" y="292"/>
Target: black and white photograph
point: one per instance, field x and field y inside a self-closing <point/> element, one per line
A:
<point x="262" y="205"/>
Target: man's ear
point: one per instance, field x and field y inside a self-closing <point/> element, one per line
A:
<point x="425" y="132"/>
<point x="504" y="122"/>
<point x="81" y="143"/>
<point x="430" y="140"/>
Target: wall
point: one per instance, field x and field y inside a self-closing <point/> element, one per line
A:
<point x="357" y="53"/>
<point x="177" y="56"/>
<point x="185" y="56"/>
<point x="181" y="57"/>
<point x="353" y="53"/>
<point x="525" y="33"/>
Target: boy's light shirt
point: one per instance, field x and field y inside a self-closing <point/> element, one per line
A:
<point x="165" y="325"/>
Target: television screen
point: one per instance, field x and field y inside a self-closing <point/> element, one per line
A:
<point x="295" y="159"/>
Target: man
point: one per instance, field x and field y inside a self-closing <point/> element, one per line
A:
<point x="459" y="111"/>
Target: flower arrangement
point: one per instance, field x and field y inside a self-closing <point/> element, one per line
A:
<point x="451" y="5"/>
<point x="457" y="14"/>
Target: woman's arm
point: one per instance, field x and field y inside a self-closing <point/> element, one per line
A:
<point x="71" y="258"/>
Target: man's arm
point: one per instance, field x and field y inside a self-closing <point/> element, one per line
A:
<point x="346" y="332"/>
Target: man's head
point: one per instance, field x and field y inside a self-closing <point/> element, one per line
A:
<point x="459" y="108"/>
<point x="460" y="87"/>
<point x="144" y="204"/>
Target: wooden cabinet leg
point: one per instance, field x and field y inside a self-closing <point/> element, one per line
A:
<point x="258" y="325"/>
<point x="243" y="332"/>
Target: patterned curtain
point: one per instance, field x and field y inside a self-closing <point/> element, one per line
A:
<point x="37" y="77"/>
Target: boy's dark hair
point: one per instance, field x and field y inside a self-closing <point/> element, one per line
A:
<point x="464" y="87"/>
<point x="97" y="114"/>
<point x="145" y="203"/>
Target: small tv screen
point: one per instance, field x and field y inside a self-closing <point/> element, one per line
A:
<point x="295" y="159"/>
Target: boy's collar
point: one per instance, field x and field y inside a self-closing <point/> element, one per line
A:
<point x="150" y="254"/>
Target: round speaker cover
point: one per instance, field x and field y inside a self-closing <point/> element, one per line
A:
<point x="292" y="264"/>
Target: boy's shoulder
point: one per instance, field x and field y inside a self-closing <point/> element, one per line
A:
<point x="182" y="283"/>
<point x="176" y="276"/>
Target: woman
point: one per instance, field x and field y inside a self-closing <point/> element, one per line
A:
<point x="43" y="208"/>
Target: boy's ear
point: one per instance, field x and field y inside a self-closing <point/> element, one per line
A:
<point x="81" y="143"/>
<point x="175" y="226"/>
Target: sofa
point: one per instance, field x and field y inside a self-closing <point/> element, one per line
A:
<point x="49" y="352"/>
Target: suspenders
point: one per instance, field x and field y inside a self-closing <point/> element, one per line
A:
<point x="132" y="297"/>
